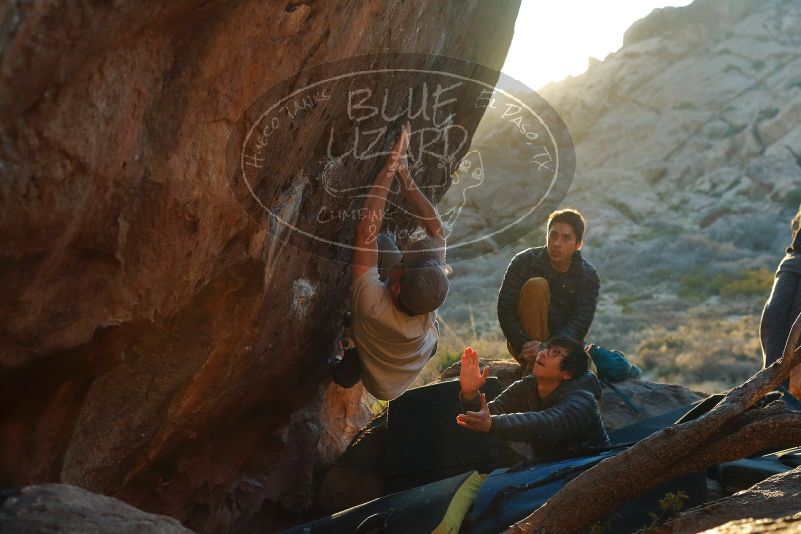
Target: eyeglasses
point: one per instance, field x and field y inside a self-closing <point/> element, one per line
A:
<point x="552" y="351"/>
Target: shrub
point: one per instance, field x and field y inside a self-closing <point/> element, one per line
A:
<point x="625" y="301"/>
<point x="792" y="198"/>
<point x="702" y="284"/>
<point x="626" y="211"/>
<point x="705" y="353"/>
<point x="734" y="68"/>
<point x="759" y="231"/>
<point x="767" y="113"/>
<point x="752" y="282"/>
<point x="732" y="130"/>
<point x="447" y="359"/>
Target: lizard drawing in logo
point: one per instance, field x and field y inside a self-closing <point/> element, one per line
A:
<point x="468" y="175"/>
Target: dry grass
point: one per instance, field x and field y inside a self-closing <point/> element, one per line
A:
<point x="704" y="354"/>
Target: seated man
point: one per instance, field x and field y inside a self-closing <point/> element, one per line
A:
<point x="555" y="409"/>
<point x="549" y="291"/>
<point x="783" y="306"/>
<point x="394" y="296"/>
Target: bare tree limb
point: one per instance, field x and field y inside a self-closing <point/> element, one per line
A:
<point x="664" y="454"/>
<point x="765" y="429"/>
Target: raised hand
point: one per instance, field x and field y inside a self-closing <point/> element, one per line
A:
<point x="471" y="378"/>
<point x="480" y="421"/>
<point x="404" y="173"/>
<point x="403" y="161"/>
<point x="398" y="152"/>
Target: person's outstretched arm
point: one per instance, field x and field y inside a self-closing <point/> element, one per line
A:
<point x="365" y="255"/>
<point x="421" y="206"/>
<point x="571" y="419"/>
<point x="476" y="413"/>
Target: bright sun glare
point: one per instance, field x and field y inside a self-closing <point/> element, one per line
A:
<point x="554" y="38"/>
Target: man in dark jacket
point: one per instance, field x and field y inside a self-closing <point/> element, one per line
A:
<point x="549" y="291"/>
<point x="783" y="306"/>
<point x="555" y="409"/>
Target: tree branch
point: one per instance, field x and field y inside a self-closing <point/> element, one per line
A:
<point x="666" y="453"/>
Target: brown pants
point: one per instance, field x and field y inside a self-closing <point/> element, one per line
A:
<point x="532" y="309"/>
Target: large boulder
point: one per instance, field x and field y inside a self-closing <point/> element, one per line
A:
<point x="649" y="399"/>
<point x="752" y="510"/>
<point x="63" y="508"/>
<point x="782" y="525"/>
<point x="358" y="474"/>
<point x="156" y="343"/>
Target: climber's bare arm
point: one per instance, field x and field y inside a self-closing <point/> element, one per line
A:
<point x="421" y="206"/>
<point x="365" y="253"/>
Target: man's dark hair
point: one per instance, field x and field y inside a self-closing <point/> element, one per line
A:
<point x="577" y="361"/>
<point x="572" y="217"/>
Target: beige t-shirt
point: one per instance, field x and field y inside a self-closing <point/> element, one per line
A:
<point x="393" y="347"/>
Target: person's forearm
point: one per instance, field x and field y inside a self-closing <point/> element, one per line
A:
<point x="373" y="206"/>
<point x="421" y="206"/>
<point x="572" y="417"/>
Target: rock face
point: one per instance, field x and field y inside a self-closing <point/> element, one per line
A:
<point x="40" y="509"/>
<point x="783" y="525"/>
<point x="650" y="398"/>
<point x="358" y="475"/>
<point x="693" y="122"/>
<point x="156" y="344"/>
<point x="772" y="499"/>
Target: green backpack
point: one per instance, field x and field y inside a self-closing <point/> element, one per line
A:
<point x="612" y="365"/>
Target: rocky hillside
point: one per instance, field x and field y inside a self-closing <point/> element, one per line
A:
<point x="157" y="344"/>
<point x="688" y="168"/>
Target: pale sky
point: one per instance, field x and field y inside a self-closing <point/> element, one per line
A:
<point x="554" y="38"/>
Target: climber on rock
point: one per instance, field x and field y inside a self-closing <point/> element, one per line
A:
<point x="549" y="290"/>
<point x="394" y="294"/>
<point x="555" y="409"/>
